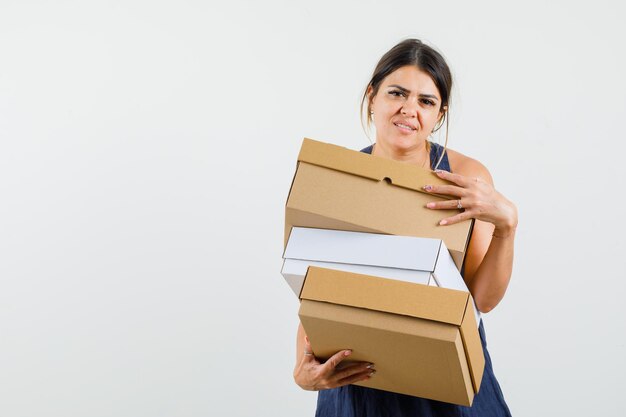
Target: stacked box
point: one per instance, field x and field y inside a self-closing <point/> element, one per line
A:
<point x="422" y="338"/>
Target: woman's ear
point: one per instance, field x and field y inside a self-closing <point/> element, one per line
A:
<point x="442" y="113"/>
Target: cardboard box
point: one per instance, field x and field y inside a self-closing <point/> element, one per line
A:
<point x="423" y="340"/>
<point x="404" y="258"/>
<point x="341" y="189"/>
<point x="397" y="257"/>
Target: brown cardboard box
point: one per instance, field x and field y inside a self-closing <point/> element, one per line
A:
<point x="422" y="339"/>
<point x="338" y="188"/>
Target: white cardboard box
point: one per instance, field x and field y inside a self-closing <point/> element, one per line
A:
<point x="420" y="260"/>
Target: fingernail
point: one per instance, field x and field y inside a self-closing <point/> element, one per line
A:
<point x="306" y="338"/>
<point x="347" y="353"/>
<point x="438" y="171"/>
<point x="427" y="187"/>
<point x="372" y="373"/>
<point x="370" y="366"/>
<point x="430" y="205"/>
<point x="443" y="222"/>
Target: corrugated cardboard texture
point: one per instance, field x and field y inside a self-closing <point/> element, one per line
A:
<point x="382" y="294"/>
<point x="473" y="346"/>
<point x="326" y="197"/>
<point x="365" y="165"/>
<point x="422" y="339"/>
<point x="412" y="356"/>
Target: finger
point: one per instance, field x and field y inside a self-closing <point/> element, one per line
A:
<point x="361" y="376"/>
<point x="455" y="178"/>
<point x="445" y="205"/>
<point x="329" y="366"/>
<point x="452" y="190"/>
<point x="308" y="351"/>
<point x="348" y="371"/>
<point x="456" y="219"/>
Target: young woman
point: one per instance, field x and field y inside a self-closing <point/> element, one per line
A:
<point x="407" y="99"/>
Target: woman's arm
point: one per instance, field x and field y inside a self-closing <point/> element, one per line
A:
<point x="489" y="264"/>
<point x="489" y="257"/>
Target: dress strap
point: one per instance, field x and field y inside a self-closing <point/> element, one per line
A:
<point x="435" y="153"/>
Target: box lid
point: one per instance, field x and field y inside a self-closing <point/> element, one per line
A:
<point x="358" y="248"/>
<point x="338" y="188"/>
<point x="398" y="297"/>
<point x="369" y="166"/>
<point x="381" y="294"/>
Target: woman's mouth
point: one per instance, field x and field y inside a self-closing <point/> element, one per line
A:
<point x="404" y="127"/>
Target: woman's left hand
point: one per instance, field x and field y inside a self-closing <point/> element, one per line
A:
<point x="477" y="197"/>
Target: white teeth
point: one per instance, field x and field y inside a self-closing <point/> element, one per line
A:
<point x="404" y="126"/>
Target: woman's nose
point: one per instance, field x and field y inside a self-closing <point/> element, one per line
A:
<point x="409" y="108"/>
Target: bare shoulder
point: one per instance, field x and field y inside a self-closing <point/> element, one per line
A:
<point x="468" y="167"/>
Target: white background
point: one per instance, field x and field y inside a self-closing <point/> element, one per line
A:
<point x="147" y="147"/>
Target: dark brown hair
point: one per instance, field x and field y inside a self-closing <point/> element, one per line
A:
<point x="411" y="52"/>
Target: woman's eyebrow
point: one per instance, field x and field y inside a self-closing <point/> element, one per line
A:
<point x="429" y="96"/>
<point x="406" y="90"/>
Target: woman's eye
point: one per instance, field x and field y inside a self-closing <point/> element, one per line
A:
<point x="397" y="93"/>
<point x="428" y="102"/>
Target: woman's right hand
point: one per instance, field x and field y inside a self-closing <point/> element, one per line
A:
<point x="312" y="375"/>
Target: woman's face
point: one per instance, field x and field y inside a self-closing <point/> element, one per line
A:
<point x="406" y="109"/>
